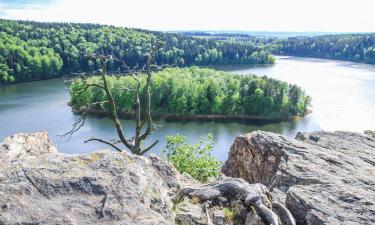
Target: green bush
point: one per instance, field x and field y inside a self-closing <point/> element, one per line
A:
<point x="194" y="159"/>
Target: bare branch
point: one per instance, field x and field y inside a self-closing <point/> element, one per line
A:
<point x="148" y="118"/>
<point x="150" y="147"/>
<point x="87" y="87"/>
<point x="75" y="127"/>
<point x="137" y="80"/>
<point x="113" y="145"/>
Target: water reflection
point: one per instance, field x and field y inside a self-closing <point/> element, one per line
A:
<point x="343" y="99"/>
<point x="343" y="92"/>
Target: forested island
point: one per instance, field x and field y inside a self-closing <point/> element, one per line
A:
<point x="34" y="50"/>
<point x="200" y="92"/>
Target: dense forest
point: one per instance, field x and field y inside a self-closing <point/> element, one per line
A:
<point x="200" y="91"/>
<point x="33" y="50"/>
<point x="348" y="47"/>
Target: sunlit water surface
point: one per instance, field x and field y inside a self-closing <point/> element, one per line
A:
<point x="343" y="96"/>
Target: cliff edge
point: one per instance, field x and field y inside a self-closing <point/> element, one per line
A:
<point x="317" y="178"/>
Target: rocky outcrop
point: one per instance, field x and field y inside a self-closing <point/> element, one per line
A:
<point x="327" y="177"/>
<point x="370" y="132"/>
<point x="103" y="187"/>
<point x="25" y="145"/>
<point x="38" y="185"/>
<point x="321" y="177"/>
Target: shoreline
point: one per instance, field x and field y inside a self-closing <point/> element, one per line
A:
<point x="29" y="81"/>
<point x="219" y="67"/>
<point x="324" y="58"/>
<point x="201" y="118"/>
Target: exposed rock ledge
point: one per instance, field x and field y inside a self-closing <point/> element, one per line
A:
<point x="324" y="178"/>
<point x="103" y="187"/>
<point x="328" y="177"/>
<point x="38" y="185"/>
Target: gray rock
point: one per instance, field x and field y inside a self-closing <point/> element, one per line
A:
<point x="168" y="172"/>
<point x="190" y="213"/>
<point x="38" y="185"/>
<point x="328" y="176"/>
<point x="278" y="195"/>
<point x="103" y="187"/>
<point x="25" y="145"/>
<point x="253" y="219"/>
<point x="218" y="217"/>
<point x="370" y="132"/>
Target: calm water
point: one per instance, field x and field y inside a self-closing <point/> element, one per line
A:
<point x="343" y="99"/>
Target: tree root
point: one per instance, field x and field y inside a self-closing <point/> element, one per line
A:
<point x="263" y="211"/>
<point x="206" y="208"/>
<point x="252" y="195"/>
<point x="284" y="214"/>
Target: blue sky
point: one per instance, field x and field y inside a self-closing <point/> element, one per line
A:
<point x="259" y="15"/>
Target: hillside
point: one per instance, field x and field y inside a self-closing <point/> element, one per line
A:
<point x="347" y="47"/>
<point x="34" y="50"/>
<point x="354" y="47"/>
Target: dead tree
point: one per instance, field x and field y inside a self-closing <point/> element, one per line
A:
<point x="144" y="124"/>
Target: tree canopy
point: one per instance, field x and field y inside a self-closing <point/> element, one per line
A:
<point x="200" y="91"/>
<point x="348" y="47"/>
<point x="34" y="50"/>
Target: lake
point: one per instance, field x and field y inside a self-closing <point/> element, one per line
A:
<point x="343" y="96"/>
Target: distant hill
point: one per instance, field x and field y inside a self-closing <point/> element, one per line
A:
<point x="33" y="50"/>
<point x="354" y="47"/>
<point x="348" y="47"/>
<point x="253" y="34"/>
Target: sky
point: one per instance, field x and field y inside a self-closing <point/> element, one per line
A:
<point x="220" y="15"/>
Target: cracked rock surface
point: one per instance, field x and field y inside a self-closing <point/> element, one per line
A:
<point x="327" y="177"/>
<point x="321" y="177"/>
<point x="40" y="186"/>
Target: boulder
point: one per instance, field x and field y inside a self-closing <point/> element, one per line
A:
<point x="25" y="145"/>
<point x="190" y="213"/>
<point x="103" y="187"/>
<point x="328" y="177"/>
<point x="370" y="132"/>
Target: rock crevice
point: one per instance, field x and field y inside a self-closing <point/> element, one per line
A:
<point x="327" y="177"/>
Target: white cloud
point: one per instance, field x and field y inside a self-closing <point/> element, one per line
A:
<point x="272" y="15"/>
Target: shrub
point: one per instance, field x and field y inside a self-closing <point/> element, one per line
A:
<point x="194" y="159"/>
